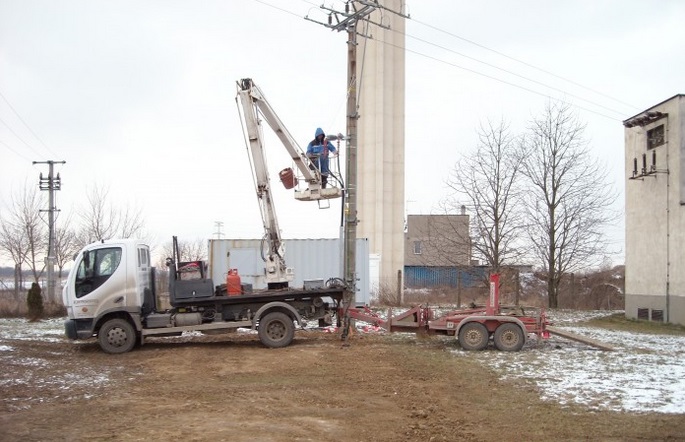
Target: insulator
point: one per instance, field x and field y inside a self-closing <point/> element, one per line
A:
<point x="644" y="162"/>
<point x="635" y="166"/>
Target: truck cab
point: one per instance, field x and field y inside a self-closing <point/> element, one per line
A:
<point x="109" y="278"/>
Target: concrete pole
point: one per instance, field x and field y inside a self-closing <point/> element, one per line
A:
<point x="51" y="234"/>
<point x="51" y="184"/>
<point x="351" y="172"/>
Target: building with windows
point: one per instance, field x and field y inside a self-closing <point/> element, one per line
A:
<point x="655" y="212"/>
<point x="437" y="240"/>
<point x="437" y="251"/>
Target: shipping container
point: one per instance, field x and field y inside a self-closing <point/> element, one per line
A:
<point x="313" y="261"/>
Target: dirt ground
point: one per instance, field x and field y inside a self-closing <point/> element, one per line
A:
<point x="231" y="388"/>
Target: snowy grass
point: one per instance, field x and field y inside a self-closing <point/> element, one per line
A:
<point x="646" y="373"/>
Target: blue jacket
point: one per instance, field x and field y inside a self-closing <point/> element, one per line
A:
<point x="319" y="149"/>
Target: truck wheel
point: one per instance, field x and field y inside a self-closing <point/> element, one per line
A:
<point x="509" y="337"/>
<point x="473" y="336"/>
<point x="117" y="336"/>
<point x="276" y="330"/>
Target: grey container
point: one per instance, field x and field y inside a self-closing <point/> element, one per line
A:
<point x="310" y="259"/>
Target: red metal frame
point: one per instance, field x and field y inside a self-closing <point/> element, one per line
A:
<point x="422" y="318"/>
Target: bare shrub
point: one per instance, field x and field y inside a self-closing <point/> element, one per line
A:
<point x="10" y="307"/>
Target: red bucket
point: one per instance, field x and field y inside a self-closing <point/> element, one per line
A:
<point x="287" y="177"/>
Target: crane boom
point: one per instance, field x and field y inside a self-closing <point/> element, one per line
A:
<point x="253" y="100"/>
<point x="277" y="273"/>
<point x="255" y="104"/>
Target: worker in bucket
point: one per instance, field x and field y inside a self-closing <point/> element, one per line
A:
<point x="318" y="150"/>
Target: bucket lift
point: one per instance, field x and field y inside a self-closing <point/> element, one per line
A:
<point x="278" y="275"/>
<point x="307" y="181"/>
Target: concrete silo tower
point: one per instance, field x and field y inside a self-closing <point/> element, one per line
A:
<point x="380" y="200"/>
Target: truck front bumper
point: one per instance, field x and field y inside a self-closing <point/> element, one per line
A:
<point x="78" y="328"/>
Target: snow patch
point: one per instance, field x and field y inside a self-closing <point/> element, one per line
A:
<point x="646" y="373"/>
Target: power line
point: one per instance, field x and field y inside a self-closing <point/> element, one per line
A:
<point x="566" y="93"/>
<point x="25" y="124"/>
<point x="277" y="8"/>
<point x="14" y="151"/>
<point x="514" y="74"/>
<point x="495" y="78"/>
<point x="19" y="138"/>
<point x="524" y="63"/>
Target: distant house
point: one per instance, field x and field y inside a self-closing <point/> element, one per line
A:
<point x="437" y="240"/>
<point x="655" y="212"/>
<point x="437" y="252"/>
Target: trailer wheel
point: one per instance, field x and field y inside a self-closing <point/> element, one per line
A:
<point x="509" y="337"/>
<point x="473" y="336"/>
<point x="276" y="330"/>
<point x="117" y="336"/>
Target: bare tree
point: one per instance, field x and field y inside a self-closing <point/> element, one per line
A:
<point x="13" y="244"/>
<point x="188" y="250"/>
<point x="100" y="219"/>
<point x="65" y="245"/>
<point x="487" y="180"/>
<point x="23" y="234"/>
<point x="569" y="199"/>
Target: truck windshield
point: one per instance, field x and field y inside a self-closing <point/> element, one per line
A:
<point x="95" y="268"/>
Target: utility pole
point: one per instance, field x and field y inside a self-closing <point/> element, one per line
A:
<point x="52" y="184"/>
<point x="355" y="12"/>
<point x="219" y="234"/>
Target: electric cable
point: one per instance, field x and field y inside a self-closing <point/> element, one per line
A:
<point x="26" y="125"/>
<point x="524" y="63"/>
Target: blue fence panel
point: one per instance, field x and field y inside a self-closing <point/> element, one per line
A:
<point x="425" y="276"/>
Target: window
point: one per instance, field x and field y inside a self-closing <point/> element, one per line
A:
<point x="417" y="247"/>
<point x="655" y="137"/>
<point x="95" y="268"/>
<point x="143" y="257"/>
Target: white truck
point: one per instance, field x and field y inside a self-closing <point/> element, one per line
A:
<point x="110" y="295"/>
<point x="110" y="292"/>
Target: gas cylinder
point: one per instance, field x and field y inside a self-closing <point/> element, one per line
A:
<point x="233" y="283"/>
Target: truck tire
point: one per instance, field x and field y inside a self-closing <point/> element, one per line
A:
<point x="509" y="337"/>
<point x="473" y="336"/>
<point x="276" y="330"/>
<point x="117" y="336"/>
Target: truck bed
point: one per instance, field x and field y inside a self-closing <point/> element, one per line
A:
<point x="261" y="296"/>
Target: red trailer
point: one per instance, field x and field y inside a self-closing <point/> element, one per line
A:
<point x="508" y="327"/>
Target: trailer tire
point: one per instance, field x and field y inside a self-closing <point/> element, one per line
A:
<point x="509" y="337"/>
<point x="473" y="336"/>
<point x="117" y="336"/>
<point x="276" y="330"/>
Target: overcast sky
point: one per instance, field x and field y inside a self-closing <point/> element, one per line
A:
<point x="139" y="96"/>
